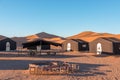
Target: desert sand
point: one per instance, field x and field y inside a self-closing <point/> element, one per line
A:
<point x="90" y="36"/>
<point x="92" y="67"/>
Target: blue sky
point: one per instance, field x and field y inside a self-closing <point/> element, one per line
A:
<point x="60" y="17"/>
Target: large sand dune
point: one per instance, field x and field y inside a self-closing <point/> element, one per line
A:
<point x="90" y="36"/>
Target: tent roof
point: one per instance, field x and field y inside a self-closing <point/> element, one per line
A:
<point x="39" y="42"/>
<point x="111" y="39"/>
<point x="79" y="40"/>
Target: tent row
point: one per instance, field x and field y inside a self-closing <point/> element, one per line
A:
<point x="99" y="45"/>
<point x="7" y="44"/>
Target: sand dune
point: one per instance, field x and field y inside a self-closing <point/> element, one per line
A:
<point x="46" y="36"/>
<point x="90" y="36"/>
<point x="32" y="37"/>
<point x="57" y="40"/>
<point x="86" y="35"/>
<point x="43" y="35"/>
<point x="117" y="36"/>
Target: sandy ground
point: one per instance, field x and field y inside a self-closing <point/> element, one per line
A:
<point x="92" y="67"/>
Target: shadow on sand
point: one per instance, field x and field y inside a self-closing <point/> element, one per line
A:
<point x="102" y="55"/>
<point x="85" y="69"/>
<point x="90" y="70"/>
<point x="16" y="64"/>
<point x="60" y="56"/>
<point x="107" y="55"/>
<point x="42" y="56"/>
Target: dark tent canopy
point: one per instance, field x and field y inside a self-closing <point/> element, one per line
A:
<point x="39" y="42"/>
<point x="7" y="44"/>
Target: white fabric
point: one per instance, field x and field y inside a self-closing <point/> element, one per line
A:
<point x="99" y="48"/>
<point x="68" y="46"/>
<point x="7" y="46"/>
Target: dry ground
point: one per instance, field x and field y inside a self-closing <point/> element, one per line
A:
<point x="92" y="67"/>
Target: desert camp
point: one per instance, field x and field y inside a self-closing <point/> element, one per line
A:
<point x="76" y="59"/>
<point x="59" y="39"/>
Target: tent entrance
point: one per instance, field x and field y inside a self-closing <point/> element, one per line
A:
<point x="39" y="48"/>
<point x="99" y="48"/>
<point x="7" y="46"/>
<point x="69" y="47"/>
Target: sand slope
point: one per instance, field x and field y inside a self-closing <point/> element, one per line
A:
<point x="90" y="36"/>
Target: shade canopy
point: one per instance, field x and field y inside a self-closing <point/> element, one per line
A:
<point x="40" y="42"/>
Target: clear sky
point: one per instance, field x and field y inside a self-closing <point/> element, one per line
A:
<point x="59" y="17"/>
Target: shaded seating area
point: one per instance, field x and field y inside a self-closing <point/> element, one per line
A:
<point x="41" y="46"/>
<point x="40" y="42"/>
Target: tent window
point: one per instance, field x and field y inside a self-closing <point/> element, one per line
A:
<point x="84" y="45"/>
